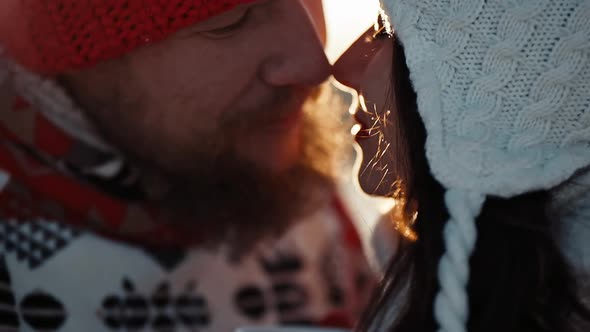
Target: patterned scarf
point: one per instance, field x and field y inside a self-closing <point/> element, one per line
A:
<point x="54" y="176"/>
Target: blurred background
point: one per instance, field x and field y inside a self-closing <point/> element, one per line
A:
<point x="346" y="21"/>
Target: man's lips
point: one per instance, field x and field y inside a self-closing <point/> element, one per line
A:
<point x="281" y="123"/>
<point x="290" y="119"/>
<point x="285" y="118"/>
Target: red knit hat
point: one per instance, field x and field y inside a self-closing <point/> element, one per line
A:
<point x="52" y="36"/>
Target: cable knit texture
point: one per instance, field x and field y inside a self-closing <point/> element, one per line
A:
<point x="503" y="89"/>
<point x="504" y="92"/>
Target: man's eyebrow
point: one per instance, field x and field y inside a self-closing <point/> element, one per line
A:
<point x="217" y="21"/>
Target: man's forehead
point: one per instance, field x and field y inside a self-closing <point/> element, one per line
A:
<point x="51" y="37"/>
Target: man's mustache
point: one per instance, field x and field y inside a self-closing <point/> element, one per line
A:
<point x="282" y="103"/>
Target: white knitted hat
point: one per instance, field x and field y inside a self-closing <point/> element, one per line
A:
<point x="503" y="89"/>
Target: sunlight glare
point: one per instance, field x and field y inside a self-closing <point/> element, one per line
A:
<point x="355" y="129"/>
<point x="346" y="21"/>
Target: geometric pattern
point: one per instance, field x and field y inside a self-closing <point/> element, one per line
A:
<point x="285" y="297"/>
<point x="288" y="300"/>
<point x="159" y="311"/>
<point x="34" y="242"/>
<point x="8" y="315"/>
<point x="167" y="258"/>
<point x="43" y="312"/>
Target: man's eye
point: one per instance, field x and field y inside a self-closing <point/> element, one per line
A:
<point x="229" y="29"/>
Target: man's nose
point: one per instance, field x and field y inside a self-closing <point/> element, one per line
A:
<point x="298" y="56"/>
<point x="315" y="8"/>
<point x="350" y="68"/>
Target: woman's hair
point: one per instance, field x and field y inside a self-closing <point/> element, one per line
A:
<point x="519" y="279"/>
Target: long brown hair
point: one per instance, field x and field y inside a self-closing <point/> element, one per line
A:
<point x="520" y="280"/>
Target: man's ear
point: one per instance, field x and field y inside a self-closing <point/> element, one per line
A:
<point x="315" y="9"/>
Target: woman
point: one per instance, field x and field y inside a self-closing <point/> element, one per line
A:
<point x="480" y="126"/>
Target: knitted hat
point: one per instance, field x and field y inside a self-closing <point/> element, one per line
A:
<point x="46" y="38"/>
<point x="50" y="37"/>
<point x="503" y="89"/>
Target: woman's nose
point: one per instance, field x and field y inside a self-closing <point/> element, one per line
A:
<point x="350" y="68"/>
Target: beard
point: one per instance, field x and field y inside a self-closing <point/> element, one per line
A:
<point x="211" y="189"/>
<point x="231" y="200"/>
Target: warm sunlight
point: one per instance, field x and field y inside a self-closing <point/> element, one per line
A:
<point x="347" y="19"/>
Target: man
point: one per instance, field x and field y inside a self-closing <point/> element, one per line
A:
<point x="153" y="154"/>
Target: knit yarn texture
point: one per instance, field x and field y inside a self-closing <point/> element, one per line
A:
<point x="52" y="36"/>
<point x="503" y="89"/>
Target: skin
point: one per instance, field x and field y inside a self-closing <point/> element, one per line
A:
<point x="366" y="68"/>
<point x="238" y="80"/>
<point x="315" y="8"/>
<point x="217" y="118"/>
